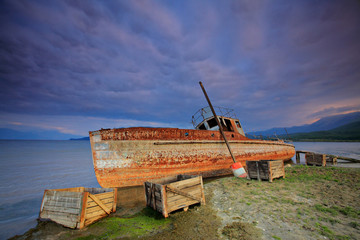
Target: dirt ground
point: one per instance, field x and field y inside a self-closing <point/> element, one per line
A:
<point x="310" y="203"/>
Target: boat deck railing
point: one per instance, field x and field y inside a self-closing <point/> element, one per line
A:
<point x="205" y="113"/>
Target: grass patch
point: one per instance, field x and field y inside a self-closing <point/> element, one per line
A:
<point x="287" y="201"/>
<point x="349" y="211"/>
<point x="324" y="230"/>
<point x="330" y="220"/>
<point x="342" y="237"/>
<point x="302" y="173"/>
<point x="332" y="210"/>
<point x="144" y="223"/>
<point x="354" y="225"/>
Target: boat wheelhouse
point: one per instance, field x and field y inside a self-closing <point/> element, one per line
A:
<point x="203" y="119"/>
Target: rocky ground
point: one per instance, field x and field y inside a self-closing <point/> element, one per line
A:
<point x="310" y="203"/>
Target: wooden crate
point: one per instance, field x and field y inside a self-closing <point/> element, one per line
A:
<point x="265" y="169"/>
<point x="169" y="194"/>
<point x="77" y="207"/>
<point x="315" y="159"/>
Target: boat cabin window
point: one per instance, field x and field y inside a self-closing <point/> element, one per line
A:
<point x="202" y="127"/>
<point x="238" y="124"/>
<point x="225" y="123"/>
<point x="212" y="123"/>
<point x="228" y="126"/>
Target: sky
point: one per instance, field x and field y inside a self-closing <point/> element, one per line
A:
<point x="78" y="66"/>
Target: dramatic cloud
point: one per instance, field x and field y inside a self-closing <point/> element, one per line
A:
<point x="277" y="63"/>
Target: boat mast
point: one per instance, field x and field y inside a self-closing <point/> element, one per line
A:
<point x="217" y="121"/>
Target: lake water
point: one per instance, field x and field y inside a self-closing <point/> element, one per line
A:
<point x="344" y="149"/>
<point x="30" y="167"/>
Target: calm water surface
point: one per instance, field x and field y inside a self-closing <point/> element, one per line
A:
<point x="30" y="167"/>
<point x="344" y="149"/>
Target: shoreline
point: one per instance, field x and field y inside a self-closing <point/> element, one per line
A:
<point x="311" y="203"/>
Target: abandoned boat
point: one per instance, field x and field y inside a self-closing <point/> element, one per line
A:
<point x="126" y="157"/>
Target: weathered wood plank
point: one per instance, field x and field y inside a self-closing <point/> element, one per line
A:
<point x="297" y="157"/>
<point x="91" y="203"/>
<point x="47" y="214"/>
<point x="181" y="200"/>
<point x="189" y="190"/>
<point x="157" y="187"/>
<point x="114" y="200"/>
<point x="174" y="196"/>
<point x="95" y="213"/>
<point x="183" y="193"/>
<point x="99" y="190"/>
<point x="164" y="201"/>
<point x="60" y="194"/>
<point x="81" y="222"/>
<point x="269" y="166"/>
<point x="74" y="189"/>
<point x="157" y="194"/>
<point x="89" y="221"/>
<point x="193" y="190"/>
<point x="62" y="209"/>
<point x="98" y="201"/>
<point x="69" y="204"/>
<point x="97" y="207"/>
<point x="180" y="204"/>
<point x="159" y="206"/>
<point x="102" y="196"/>
<point x="68" y="220"/>
<point x="185" y="183"/>
<point x="203" y="202"/>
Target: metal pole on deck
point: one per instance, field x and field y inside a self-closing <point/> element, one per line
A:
<point x="217" y="121"/>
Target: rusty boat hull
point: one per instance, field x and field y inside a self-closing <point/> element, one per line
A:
<point x="130" y="156"/>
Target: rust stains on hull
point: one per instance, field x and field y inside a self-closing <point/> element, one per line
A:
<point x="130" y="156"/>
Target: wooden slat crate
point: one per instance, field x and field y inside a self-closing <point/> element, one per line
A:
<point x="169" y="194"/>
<point x="265" y="169"/>
<point x="315" y="159"/>
<point x="77" y="207"/>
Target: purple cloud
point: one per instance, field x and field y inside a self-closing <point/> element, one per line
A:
<point x="277" y="64"/>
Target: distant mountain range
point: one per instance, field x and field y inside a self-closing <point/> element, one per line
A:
<point x="324" y="124"/>
<point x="347" y="132"/>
